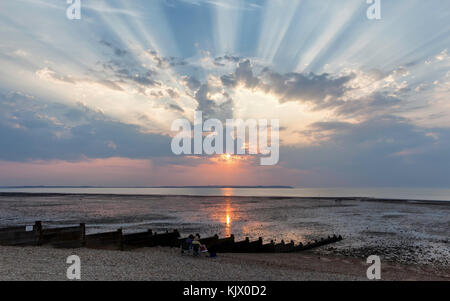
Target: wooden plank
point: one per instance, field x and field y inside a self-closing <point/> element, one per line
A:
<point x="30" y="238"/>
<point x="244" y="246"/>
<point x="137" y="240"/>
<point x="318" y="243"/>
<point x="168" y="239"/>
<point x="286" y="248"/>
<point x="209" y="241"/>
<point x="148" y="239"/>
<point x="23" y="228"/>
<point x="238" y="247"/>
<point x="65" y="237"/>
<point x="104" y="241"/>
<point x="20" y="235"/>
<point x="256" y="246"/>
<point x="241" y="246"/>
<point x="268" y="248"/>
<point x="13" y="229"/>
<point x="222" y="245"/>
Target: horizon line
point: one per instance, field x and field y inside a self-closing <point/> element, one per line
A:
<point x="164" y="186"/>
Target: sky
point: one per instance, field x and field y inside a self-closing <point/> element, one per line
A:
<point x="361" y="103"/>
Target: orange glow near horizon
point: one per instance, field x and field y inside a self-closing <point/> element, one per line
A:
<point x="229" y="160"/>
<point x="227" y="191"/>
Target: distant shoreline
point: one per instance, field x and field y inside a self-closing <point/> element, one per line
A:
<point x="206" y="186"/>
<point x="338" y="199"/>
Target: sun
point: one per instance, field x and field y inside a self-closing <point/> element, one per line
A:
<point x="226" y="157"/>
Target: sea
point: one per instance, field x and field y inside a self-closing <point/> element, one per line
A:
<point x="429" y="194"/>
<point x="408" y="225"/>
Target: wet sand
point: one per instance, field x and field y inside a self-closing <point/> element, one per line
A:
<point x="42" y="263"/>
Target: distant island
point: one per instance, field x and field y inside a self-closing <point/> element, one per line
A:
<point x="207" y="186"/>
<point x="230" y="186"/>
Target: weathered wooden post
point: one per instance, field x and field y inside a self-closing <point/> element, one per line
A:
<point x="121" y="239"/>
<point x="83" y="234"/>
<point x="38" y="225"/>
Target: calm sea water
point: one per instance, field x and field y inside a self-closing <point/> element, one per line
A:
<point x="433" y="194"/>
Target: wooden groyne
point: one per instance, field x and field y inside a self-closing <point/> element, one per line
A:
<point x="247" y="246"/>
<point x="75" y="237"/>
<point x="36" y="235"/>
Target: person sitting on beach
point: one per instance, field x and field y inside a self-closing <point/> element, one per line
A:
<point x="189" y="240"/>
<point x="196" y="244"/>
<point x="187" y="245"/>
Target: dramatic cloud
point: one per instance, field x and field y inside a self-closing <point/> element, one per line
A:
<point x="33" y="131"/>
<point x="211" y="108"/>
<point x="384" y="151"/>
<point x="360" y="103"/>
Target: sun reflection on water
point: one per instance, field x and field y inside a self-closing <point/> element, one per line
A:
<point x="228" y="213"/>
<point x="227" y="192"/>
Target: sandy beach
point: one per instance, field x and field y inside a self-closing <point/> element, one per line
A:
<point x="43" y="263"/>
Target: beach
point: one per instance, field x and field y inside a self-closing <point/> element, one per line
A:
<point x="156" y="264"/>
<point x="410" y="237"/>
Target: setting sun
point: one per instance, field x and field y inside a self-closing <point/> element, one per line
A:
<point x="226" y="157"/>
